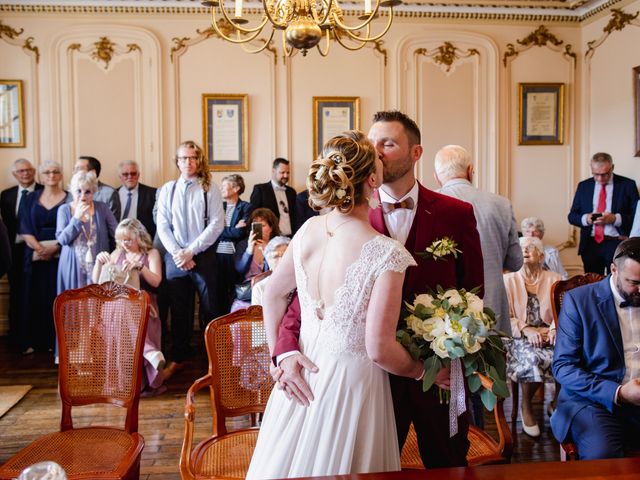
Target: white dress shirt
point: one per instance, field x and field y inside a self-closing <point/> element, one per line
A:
<point x="283" y="208"/>
<point x="399" y="221"/>
<point x="610" y="230"/>
<point x="629" y="319"/>
<point x="123" y="192"/>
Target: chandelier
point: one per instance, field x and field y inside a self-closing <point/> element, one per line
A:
<point x="304" y="24"/>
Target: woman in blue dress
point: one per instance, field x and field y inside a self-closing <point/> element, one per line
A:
<point x="84" y="229"/>
<point x="38" y="228"/>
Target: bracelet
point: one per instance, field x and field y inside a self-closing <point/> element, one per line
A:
<point x="421" y="375"/>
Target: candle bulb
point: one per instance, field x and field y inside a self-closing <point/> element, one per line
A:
<point x="238" y="8"/>
<point x="367" y="6"/>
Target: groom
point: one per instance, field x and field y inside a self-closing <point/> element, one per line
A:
<point x="416" y="217"/>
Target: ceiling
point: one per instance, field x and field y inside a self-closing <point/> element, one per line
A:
<point x="560" y="11"/>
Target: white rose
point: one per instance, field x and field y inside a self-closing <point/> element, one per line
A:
<point x="432" y="328"/>
<point x="454" y="297"/>
<point x="470" y="344"/>
<point x="453" y="328"/>
<point x="474" y="303"/>
<point x="438" y="347"/>
<point x="424" y="299"/>
<point x="415" y="324"/>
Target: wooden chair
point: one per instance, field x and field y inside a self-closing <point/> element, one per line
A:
<point x="101" y="331"/>
<point x="483" y="449"/>
<point x="568" y="450"/>
<point x="239" y="384"/>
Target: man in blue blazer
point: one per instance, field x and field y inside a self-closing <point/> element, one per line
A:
<point x="597" y="361"/>
<point x="603" y="208"/>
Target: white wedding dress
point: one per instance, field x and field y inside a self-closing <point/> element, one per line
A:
<point x="349" y="426"/>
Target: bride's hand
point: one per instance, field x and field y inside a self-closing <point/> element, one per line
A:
<point x="443" y="378"/>
<point x="292" y="381"/>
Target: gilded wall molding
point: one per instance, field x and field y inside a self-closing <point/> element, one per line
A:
<point x="446" y="55"/>
<point x="10" y="35"/>
<point x="618" y="21"/>
<point x="541" y="37"/>
<point x="104" y="50"/>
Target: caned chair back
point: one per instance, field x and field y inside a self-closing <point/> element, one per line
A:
<point x="559" y="288"/>
<point x="239" y="384"/>
<point x="101" y="331"/>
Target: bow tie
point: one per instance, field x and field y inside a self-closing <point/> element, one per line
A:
<point x="390" y="207"/>
<point x="283" y="189"/>
<point x="629" y="303"/>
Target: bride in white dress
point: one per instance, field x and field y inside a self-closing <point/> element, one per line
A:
<point x="349" y="280"/>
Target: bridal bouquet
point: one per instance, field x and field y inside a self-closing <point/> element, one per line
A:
<point x="452" y="328"/>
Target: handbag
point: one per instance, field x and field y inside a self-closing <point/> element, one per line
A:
<point x="45" y="243"/>
<point x="112" y="273"/>
<point x="243" y="291"/>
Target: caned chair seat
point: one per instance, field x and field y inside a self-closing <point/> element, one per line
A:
<point x="227" y="456"/>
<point x="86" y="453"/>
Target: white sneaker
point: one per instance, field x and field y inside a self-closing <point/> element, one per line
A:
<point x="156" y="359"/>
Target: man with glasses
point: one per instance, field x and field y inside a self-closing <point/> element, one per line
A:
<point x="603" y="208"/>
<point x="137" y="199"/>
<point x="190" y="220"/>
<point x="105" y="193"/>
<point x="11" y="202"/>
<point x="278" y="197"/>
<point x="597" y="361"/>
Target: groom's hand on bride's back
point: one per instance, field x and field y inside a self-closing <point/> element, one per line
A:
<point x="291" y="380"/>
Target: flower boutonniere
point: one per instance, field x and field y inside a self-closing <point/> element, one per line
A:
<point x="440" y="248"/>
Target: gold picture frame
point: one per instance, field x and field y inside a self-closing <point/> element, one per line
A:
<point x="332" y="116"/>
<point x="225" y="120"/>
<point x="12" y="132"/>
<point x="541" y="114"/>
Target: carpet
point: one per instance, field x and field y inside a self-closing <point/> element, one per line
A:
<point x="10" y="395"/>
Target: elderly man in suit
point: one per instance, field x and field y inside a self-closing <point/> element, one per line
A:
<point x="416" y="217"/>
<point x="105" y="193"/>
<point x="136" y="198"/>
<point x="278" y="197"/>
<point x="11" y="201"/>
<point x="496" y="225"/>
<point x="597" y="363"/>
<point x="603" y="208"/>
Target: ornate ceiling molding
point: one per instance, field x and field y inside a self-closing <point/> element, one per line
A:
<point x="104" y="50"/>
<point x="446" y="55"/>
<point x="10" y="35"/>
<point x="618" y="21"/>
<point x="541" y="37"/>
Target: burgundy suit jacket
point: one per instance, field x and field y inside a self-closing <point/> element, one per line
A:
<point x="436" y="216"/>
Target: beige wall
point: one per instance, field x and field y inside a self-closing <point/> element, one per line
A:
<point x="149" y="99"/>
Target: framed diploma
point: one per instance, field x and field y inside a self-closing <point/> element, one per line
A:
<point x="225" y="131"/>
<point x="636" y="106"/>
<point x="541" y="113"/>
<point x="11" y="114"/>
<point x="332" y="116"/>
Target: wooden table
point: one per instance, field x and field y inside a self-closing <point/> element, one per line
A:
<point x="615" y="469"/>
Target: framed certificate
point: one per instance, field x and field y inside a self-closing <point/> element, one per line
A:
<point x="332" y="116"/>
<point x="541" y="113"/>
<point x="11" y="114"/>
<point x="225" y="119"/>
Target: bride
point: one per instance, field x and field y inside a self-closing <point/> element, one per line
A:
<point x="349" y="280"/>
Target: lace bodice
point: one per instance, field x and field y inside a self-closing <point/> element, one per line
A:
<point x="342" y="328"/>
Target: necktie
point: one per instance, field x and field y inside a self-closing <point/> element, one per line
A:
<point x="598" y="233"/>
<point x="390" y="207"/>
<point x="23" y="198"/>
<point x="127" y="207"/>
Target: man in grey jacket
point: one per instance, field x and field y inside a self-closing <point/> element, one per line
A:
<point x="496" y="225"/>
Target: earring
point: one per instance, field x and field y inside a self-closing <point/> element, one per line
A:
<point x="373" y="200"/>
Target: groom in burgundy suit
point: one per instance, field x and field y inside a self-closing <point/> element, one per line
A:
<point x="416" y="217"/>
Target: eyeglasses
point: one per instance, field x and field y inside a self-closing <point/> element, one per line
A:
<point x="129" y="174"/>
<point x="284" y="207"/>
<point x="24" y="170"/>
<point x="51" y="172"/>
<point x="193" y="158"/>
<point x="602" y="175"/>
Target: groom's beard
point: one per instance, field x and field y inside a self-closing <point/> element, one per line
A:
<point x="393" y="170"/>
<point x="633" y="298"/>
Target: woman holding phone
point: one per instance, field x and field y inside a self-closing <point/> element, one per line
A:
<point x="249" y="256"/>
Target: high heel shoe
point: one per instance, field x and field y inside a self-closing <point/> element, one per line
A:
<point x="531" y="430"/>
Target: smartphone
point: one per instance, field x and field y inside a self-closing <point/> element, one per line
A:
<point x="256" y="228"/>
<point x="594" y="216"/>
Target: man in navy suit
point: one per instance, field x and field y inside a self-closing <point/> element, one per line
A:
<point x="136" y="199"/>
<point x="603" y="208"/>
<point x="597" y="361"/>
<point x="278" y="197"/>
<point x="11" y="201"/>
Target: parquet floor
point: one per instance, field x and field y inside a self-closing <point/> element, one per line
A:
<point x="161" y="417"/>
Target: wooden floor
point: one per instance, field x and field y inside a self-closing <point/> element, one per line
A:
<point x="161" y="417"/>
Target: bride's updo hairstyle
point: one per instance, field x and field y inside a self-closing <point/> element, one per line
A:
<point x="337" y="177"/>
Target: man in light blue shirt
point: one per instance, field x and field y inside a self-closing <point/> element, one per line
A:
<point x="190" y="219"/>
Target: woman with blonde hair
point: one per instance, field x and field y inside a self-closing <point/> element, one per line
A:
<point x="137" y="263"/>
<point x="349" y="280"/>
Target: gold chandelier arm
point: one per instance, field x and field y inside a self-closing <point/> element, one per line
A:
<point x="325" y="52"/>
<point x="275" y="22"/>
<point x="367" y="38"/>
<point x="251" y="37"/>
<point x="349" y="47"/>
<point x="261" y="48"/>
<point x="326" y="14"/>
<point x="366" y="22"/>
<point x="288" y="51"/>
<point x="256" y="29"/>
